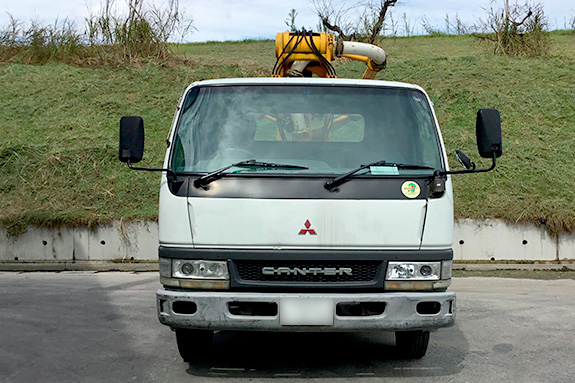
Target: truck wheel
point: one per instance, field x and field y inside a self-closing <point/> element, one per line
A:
<point x="412" y="344"/>
<point x="194" y="344"/>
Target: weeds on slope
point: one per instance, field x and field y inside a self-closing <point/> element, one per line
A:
<point x="108" y="38"/>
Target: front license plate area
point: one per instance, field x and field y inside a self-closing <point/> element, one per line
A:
<point x="306" y="312"/>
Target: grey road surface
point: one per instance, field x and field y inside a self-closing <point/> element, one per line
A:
<point x="102" y="327"/>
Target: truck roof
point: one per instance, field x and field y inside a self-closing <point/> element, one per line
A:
<point x="306" y="81"/>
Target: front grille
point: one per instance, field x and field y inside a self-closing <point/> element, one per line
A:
<point x="361" y="271"/>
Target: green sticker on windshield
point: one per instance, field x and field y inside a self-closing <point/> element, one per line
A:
<point x="384" y="170"/>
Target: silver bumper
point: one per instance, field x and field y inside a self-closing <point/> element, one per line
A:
<point x="212" y="311"/>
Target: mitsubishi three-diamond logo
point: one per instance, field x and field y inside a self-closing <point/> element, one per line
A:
<point x="307" y="229"/>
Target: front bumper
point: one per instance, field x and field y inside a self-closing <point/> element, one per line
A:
<point x="403" y="311"/>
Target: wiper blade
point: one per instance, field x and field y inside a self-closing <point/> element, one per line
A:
<point x="410" y="166"/>
<point x="257" y="164"/>
<point x="210" y="177"/>
<point x="334" y="183"/>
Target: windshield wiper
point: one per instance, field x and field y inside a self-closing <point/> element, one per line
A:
<point x="334" y="183"/>
<point x="210" y="177"/>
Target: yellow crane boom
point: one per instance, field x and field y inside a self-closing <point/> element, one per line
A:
<point x="303" y="53"/>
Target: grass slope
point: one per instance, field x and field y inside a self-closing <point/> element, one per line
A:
<point x="59" y="127"/>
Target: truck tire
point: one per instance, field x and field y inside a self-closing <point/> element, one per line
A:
<point x="412" y="344"/>
<point x="194" y="344"/>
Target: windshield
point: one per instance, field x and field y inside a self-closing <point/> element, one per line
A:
<point x="323" y="129"/>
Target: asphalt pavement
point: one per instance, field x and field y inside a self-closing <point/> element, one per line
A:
<point x="102" y="327"/>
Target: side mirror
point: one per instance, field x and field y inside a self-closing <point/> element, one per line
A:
<point x="131" y="139"/>
<point x="488" y="130"/>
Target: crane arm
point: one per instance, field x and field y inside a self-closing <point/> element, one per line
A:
<point x="304" y="53"/>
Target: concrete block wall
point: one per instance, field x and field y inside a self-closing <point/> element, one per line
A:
<point x="474" y="240"/>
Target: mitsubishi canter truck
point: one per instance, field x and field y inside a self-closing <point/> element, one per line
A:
<point x="306" y="203"/>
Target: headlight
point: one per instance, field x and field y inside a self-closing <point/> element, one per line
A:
<point x="199" y="269"/>
<point x="421" y="271"/>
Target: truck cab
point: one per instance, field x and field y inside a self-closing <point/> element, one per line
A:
<point x="306" y="204"/>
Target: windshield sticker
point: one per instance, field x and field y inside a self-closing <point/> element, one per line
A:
<point x="384" y="170"/>
<point x="416" y="98"/>
<point x="410" y="189"/>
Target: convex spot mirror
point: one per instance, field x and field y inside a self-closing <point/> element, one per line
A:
<point x="464" y="160"/>
<point x="131" y="139"/>
<point x="488" y="130"/>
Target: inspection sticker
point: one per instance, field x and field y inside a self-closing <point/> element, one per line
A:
<point x="384" y="170"/>
<point x="410" y="189"/>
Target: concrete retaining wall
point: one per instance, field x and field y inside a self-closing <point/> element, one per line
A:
<point x="489" y="240"/>
<point x="119" y="241"/>
<point x="495" y="240"/>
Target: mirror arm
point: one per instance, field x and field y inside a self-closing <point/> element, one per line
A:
<point x="170" y="172"/>
<point x="442" y="173"/>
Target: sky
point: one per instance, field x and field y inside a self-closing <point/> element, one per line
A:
<point x="220" y="20"/>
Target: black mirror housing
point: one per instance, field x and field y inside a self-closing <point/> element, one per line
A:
<point x="131" y="139"/>
<point x="488" y="130"/>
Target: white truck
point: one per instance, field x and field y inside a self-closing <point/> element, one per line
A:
<point x="306" y="204"/>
